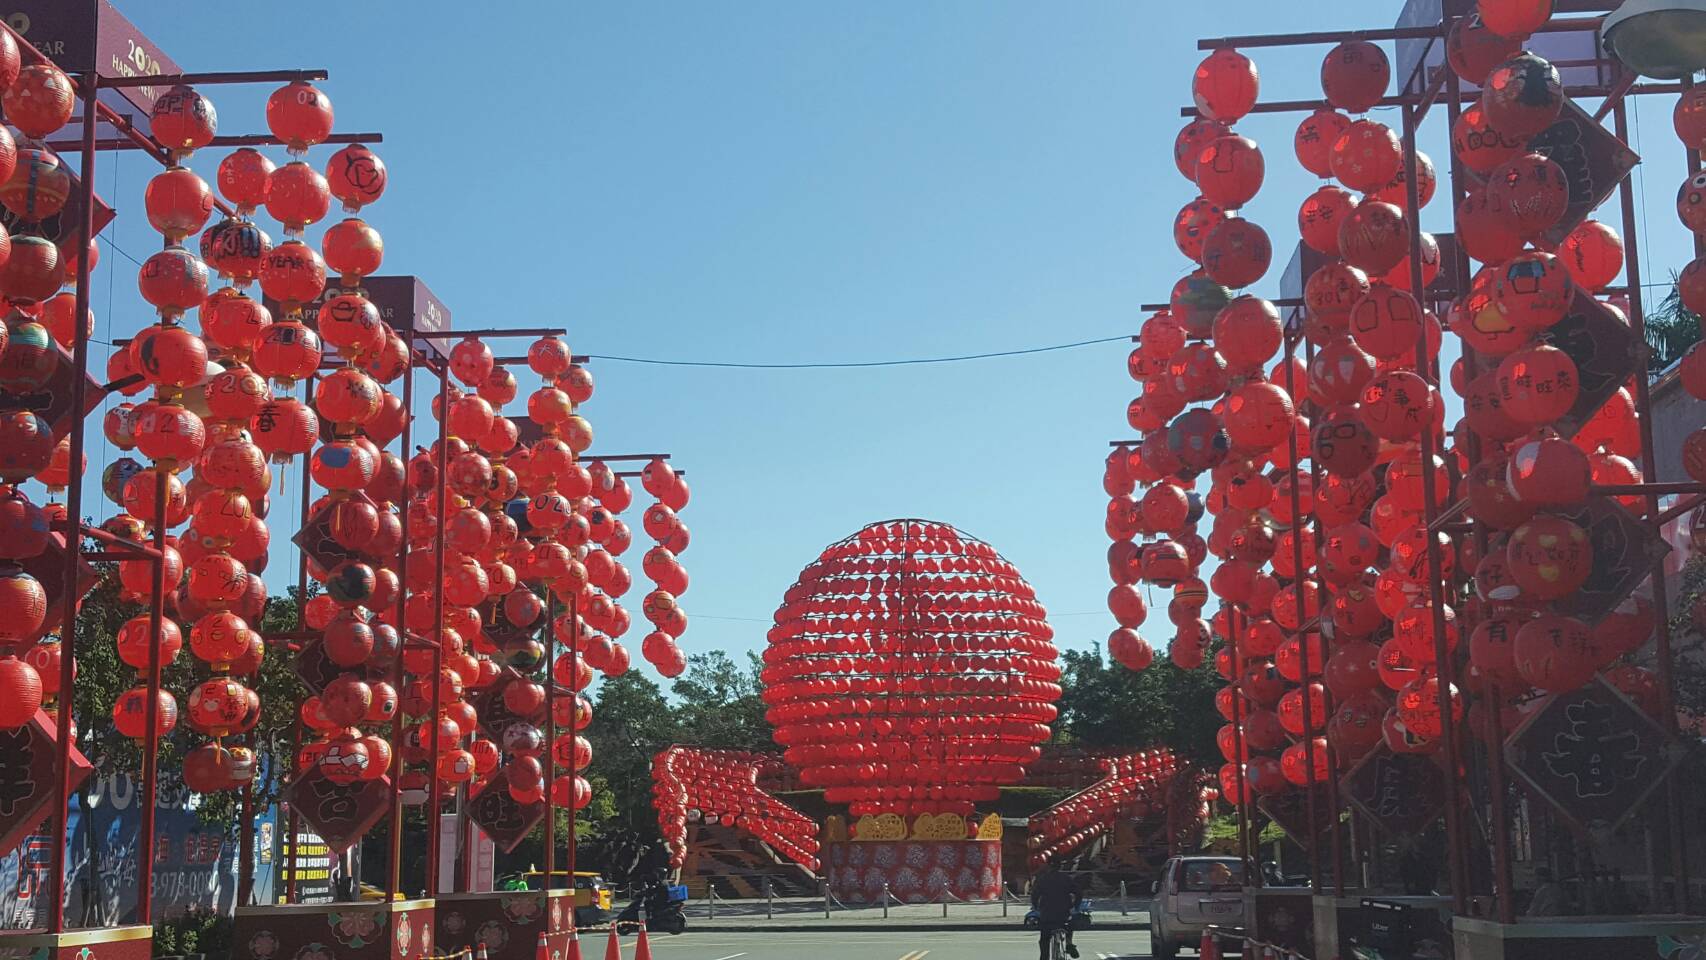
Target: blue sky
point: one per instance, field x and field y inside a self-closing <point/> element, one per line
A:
<point x="797" y="182"/>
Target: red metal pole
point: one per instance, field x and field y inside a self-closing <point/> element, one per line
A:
<point x="1503" y="901"/>
<point x="1649" y="469"/>
<point x="435" y="796"/>
<point x="88" y="86"/>
<point x="1297" y="530"/>
<point x="151" y="714"/>
<point x="1430" y="510"/>
<point x="1252" y="877"/>
<point x="551" y="735"/>
<point x="574" y="762"/>
<point x="394" y="867"/>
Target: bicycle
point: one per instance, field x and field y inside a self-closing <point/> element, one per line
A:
<point x="1057" y="944"/>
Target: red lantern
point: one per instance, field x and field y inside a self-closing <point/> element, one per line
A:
<point x="1593" y="254"/>
<point x="1191" y="227"/>
<point x="1538" y="385"/>
<point x="183" y="120"/>
<point x="1230" y="170"/>
<point x="1473" y="51"/>
<point x="1516" y="19"/>
<point x="1387" y="323"/>
<point x="1237" y="253"/>
<point x="1225" y="86"/>
<point x="1247" y="332"/>
<point x="178" y="203"/>
<point x="1189" y="142"/>
<point x="299" y="115"/>
<point x="1522" y="96"/>
<point x="1397" y="192"/>
<point x="292" y="273"/>
<point x="1375" y="236"/>
<point x="1314" y="140"/>
<point x="245" y="178"/>
<point x="1558" y="654"/>
<point x="1395" y="405"/>
<point x="356" y="176"/>
<point x="1533" y="192"/>
<point x="1479" y="145"/>
<point x="1321" y="215"/>
<point x="1533" y="291"/>
<point x="40" y="101"/>
<point x="1549" y="557"/>
<point x="173" y="280"/>
<point x="297" y="195"/>
<point x="1354" y="75"/>
<point x="353" y="249"/>
<point x="1366" y="156"/>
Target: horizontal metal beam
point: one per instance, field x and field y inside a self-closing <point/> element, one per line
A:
<point x="192" y="79"/>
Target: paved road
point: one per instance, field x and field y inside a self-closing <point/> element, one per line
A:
<point x="994" y="944"/>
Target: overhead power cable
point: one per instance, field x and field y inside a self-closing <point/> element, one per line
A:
<point x="859" y="363"/>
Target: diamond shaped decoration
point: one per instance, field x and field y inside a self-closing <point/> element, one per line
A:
<point x="1594" y="163"/>
<point x="1624" y="552"/>
<point x="1291" y="811"/>
<point x="1606" y="352"/>
<point x="316" y="539"/>
<point x="28" y="792"/>
<point x="1401" y="792"/>
<point x="505" y="819"/>
<point x="1592" y="755"/>
<point x="339" y="812"/>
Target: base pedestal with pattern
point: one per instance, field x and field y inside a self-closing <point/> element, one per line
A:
<point x="369" y="930"/>
<point x="915" y="871"/>
<point x="1581" y="938"/>
<point x="507" y="922"/>
<point x="105" y="943"/>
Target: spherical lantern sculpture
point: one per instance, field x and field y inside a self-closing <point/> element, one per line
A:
<point x="910" y="671"/>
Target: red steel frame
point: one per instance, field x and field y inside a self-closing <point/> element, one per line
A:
<point x="1414" y="102"/>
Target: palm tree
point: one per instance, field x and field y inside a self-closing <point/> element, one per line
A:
<point x="1671" y="329"/>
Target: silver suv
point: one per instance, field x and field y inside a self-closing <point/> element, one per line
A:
<point x="1193" y="893"/>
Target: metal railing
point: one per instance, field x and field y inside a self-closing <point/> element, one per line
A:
<point x="766" y="903"/>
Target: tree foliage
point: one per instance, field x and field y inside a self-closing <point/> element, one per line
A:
<point x="1103" y="704"/>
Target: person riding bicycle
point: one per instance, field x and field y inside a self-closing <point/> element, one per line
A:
<point x="1055" y="897"/>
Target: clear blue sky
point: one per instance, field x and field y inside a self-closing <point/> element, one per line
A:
<point x="801" y="181"/>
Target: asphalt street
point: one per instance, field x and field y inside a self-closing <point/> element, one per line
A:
<point x="994" y="944"/>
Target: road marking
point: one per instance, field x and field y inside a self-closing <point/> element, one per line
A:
<point x="732" y="956"/>
<point x="915" y="955"/>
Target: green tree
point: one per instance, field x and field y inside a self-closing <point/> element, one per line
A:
<point x="1671" y="329"/>
<point x="720" y="705"/>
<point x="1102" y="704"/>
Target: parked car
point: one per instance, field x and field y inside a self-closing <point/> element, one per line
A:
<point x="593" y="899"/>
<point x="1193" y="893"/>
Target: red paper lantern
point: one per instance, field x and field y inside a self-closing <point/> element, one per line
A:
<point x="37" y="186"/>
<point x="1395" y="405"/>
<point x="1558" y="654"/>
<point x="1375" y="236"/>
<point x="1514" y="18"/>
<point x="1247" y="332"/>
<point x="1332" y="290"/>
<point x="1237" y="253"/>
<point x="178" y="203"/>
<point x="174" y="281"/>
<point x="1533" y="192"/>
<point x="1397" y="192"/>
<point x="245" y="178"/>
<point x="40" y="101"/>
<point x="299" y="115"/>
<point x="1593" y="255"/>
<point x="1230" y="170"/>
<point x="183" y="120"/>
<point x="1549" y="557"/>
<point x="1366" y="156"/>
<point x="353" y="249"/>
<point x="1473" y="51"/>
<point x="1225" y="86"/>
<point x="1354" y="75"/>
<point x="1314" y="140"/>
<point x="1480" y="145"/>
<point x="292" y="273"/>
<point x="1191" y="227"/>
<point x="1533" y="291"/>
<point x="1538" y="384"/>
<point x="1189" y="142"/>
<point x="355" y="175"/>
<point x="1522" y="96"/>
<point x="1321" y="215"/>
<point x="1387" y="323"/>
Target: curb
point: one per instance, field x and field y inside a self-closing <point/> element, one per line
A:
<point x="879" y="927"/>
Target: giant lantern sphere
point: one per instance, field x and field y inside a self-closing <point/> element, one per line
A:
<point x="910" y="671"/>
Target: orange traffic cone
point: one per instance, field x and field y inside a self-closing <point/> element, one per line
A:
<point x="613" y="949"/>
<point x="574" y="945"/>
<point x="540" y="952"/>
<point x="480" y="951"/>
<point x="1209" y="949"/>
<point x="642" y="947"/>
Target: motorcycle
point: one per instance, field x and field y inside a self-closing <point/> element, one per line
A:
<point x="664" y="907"/>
